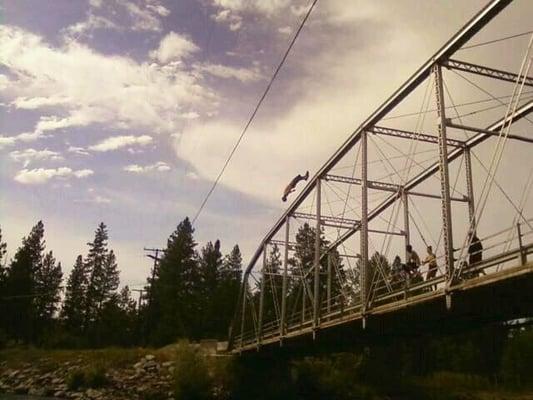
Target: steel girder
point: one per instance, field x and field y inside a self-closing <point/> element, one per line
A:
<point x="486" y="71"/>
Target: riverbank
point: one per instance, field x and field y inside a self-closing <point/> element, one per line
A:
<point x="192" y="371"/>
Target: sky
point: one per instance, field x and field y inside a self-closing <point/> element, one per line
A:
<point x="124" y="111"/>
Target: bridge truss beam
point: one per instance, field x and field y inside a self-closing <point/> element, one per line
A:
<point x="486" y="71"/>
<point x="449" y="150"/>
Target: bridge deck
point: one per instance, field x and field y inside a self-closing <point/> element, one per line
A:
<point x="497" y="296"/>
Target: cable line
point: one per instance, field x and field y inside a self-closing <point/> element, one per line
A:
<point x="250" y="120"/>
<point x="495" y="40"/>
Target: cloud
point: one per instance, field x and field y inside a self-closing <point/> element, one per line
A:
<point x="173" y="47"/>
<point x="29" y="155"/>
<point x="92" y="22"/>
<point x="40" y="175"/>
<point x="6" y="141"/>
<point x="87" y="87"/>
<point x="286" y="30"/>
<point x="78" y="150"/>
<point x="118" y="142"/>
<point x="159" y="166"/>
<point x="259" y="6"/>
<point x="224" y="71"/>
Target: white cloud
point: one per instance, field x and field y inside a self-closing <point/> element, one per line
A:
<point x="224" y="71"/>
<point x="173" y="47"/>
<point x="90" y="87"/>
<point x="261" y="6"/>
<point x="78" y="150"/>
<point x="6" y="141"/>
<point x="159" y="166"/>
<point x="159" y="9"/>
<point x="92" y="22"/>
<point x="28" y="155"/>
<point x="117" y="142"/>
<point x="32" y="103"/>
<point x="40" y="175"/>
<point x="286" y="30"/>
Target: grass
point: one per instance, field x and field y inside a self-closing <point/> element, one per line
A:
<point x="48" y="360"/>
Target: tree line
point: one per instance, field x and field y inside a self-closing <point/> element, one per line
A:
<point x="190" y="293"/>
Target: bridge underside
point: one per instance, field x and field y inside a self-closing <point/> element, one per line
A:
<point x="498" y="297"/>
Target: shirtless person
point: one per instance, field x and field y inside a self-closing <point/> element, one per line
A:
<point x="292" y="185"/>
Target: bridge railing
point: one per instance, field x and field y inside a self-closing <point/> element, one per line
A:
<point x="504" y="249"/>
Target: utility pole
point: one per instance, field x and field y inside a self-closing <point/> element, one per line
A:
<point x="156" y="259"/>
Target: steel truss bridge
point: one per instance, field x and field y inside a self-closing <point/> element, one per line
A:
<point x="459" y="164"/>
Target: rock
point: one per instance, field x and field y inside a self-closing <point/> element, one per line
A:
<point x="59" y="394"/>
<point x="39" y="392"/>
<point x="168" y="364"/>
<point x="21" y="389"/>
<point x="149" y="357"/>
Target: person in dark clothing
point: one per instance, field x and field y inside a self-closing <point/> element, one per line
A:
<point x="292" y="185"/>
<point x="475" y="250"/>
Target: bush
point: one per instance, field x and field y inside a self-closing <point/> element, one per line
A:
<point x="191" y="376"/>
<point x="517" y="360"/>
<point x="95" y="377"/>
<point x="75" y="379"/>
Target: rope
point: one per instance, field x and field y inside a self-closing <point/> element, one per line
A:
<point x="254" y="113"/>
<point x="495" y="40"/>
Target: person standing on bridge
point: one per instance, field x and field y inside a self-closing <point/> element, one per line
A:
<point x="412" y="263"/>
<point x="475" y="250"/>
<point x="431" y="261"/>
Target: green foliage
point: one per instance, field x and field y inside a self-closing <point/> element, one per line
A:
<point x="91" y="377"/>
<point x="517" y="360"/>
<point x="75" y="379"/>
<point x="335" y="377"/>
<point x="73" y="309"/>
<point x="191" y="376"/>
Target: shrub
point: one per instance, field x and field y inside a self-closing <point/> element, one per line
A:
<point x="517" y="360"/>
<point x="75" y="379"/>
<point x="191" y="376"/>
<point x="95" y="377"/>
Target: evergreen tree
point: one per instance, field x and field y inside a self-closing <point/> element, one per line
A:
<point x="48" y="287"/>
<point x="229" y="289"/>
<point x="101" y="266"/>
<point x="3" y="260"/>
<point x="20" y="284"/>
<point x="176" y="291"/>
<point x="73" y="310"/>
<point x="302" y="282"/>
<point x="3" y="276"/>
<point x="210" y="269"/>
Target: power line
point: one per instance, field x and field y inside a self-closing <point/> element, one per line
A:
<point x="250" y="120"/>
<point x="495" y="40"/>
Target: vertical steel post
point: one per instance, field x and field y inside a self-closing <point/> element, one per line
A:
<point x="243" y="311"/>
<point x="444" y="178"/>
<point x="282" y="327"/>
<point x="329" y="284"/>
<point x="405" y="202"/>
<point x="364" y="273"/>
<point x="523" y="256"/>
<point x="469" y="187"/>
<point x="262" y="295"/>
<point x="316" y="290"/>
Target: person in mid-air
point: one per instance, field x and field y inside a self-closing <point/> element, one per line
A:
<point x="292" y="185"/>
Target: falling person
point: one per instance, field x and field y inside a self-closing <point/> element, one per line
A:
<point x="292" y="185"/>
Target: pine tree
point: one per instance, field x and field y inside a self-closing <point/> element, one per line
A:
<point x="210" y="265"/>
<point x="3" y="277"/>
<point x="3" y="260"/>
<point x="48" y="278"/>
<point x="176" y="291"/>
<point x="20" y="284"/>
<point x="302" y="266"/>
<point x="230" y="286"/>
<point x="101" y="266"/>
<point x="74" y="305"/>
